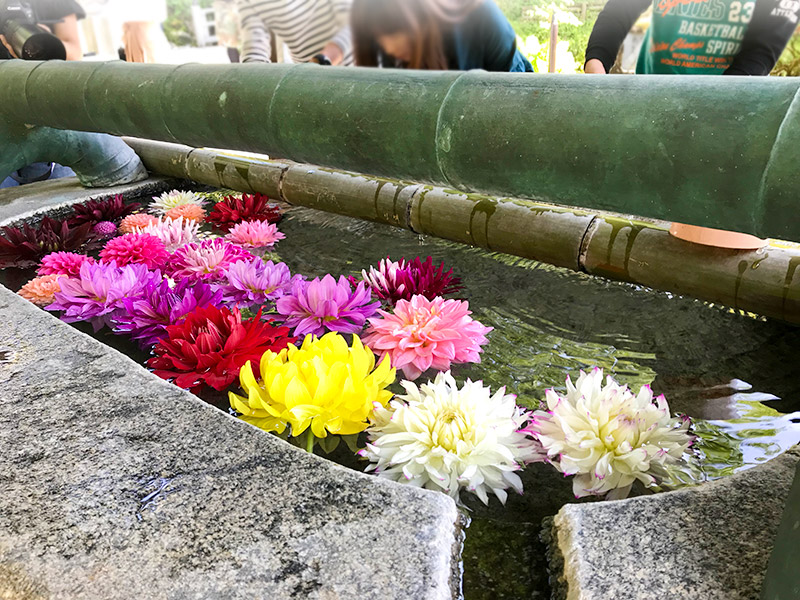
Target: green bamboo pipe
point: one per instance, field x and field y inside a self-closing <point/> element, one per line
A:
<point x="765" y="282"/>
<point x="710" y="151"/>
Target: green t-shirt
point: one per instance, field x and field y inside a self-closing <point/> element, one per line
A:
<point x="694" y="37"/>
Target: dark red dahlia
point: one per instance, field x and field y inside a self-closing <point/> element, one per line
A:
<point x="233" y="210"/>
<point x="109" y="209"/>
<point x="392" y="281"/>
<point x="210" y="346"/>
<point x="25" y="246"/>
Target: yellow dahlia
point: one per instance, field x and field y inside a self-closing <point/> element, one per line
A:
<point x="323" y="384"/>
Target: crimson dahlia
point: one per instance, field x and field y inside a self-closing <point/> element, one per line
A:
<point x="233" y="210"/>
<point x="212" y="344"/>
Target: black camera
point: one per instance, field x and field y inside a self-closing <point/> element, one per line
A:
<point x="18" y="24"/>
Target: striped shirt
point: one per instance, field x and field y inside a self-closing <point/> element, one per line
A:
<point x="306" y="26"/>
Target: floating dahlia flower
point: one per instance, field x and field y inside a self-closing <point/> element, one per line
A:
<point x="607" y="437"/>
<point x="254" y="281"/>
<point x="96" y="211"/>
<point x="190" y="212"/>
<point x="320" y="305"/>
<point x="234" y="210"/>
<point x="135" y="248"/>
<point x="173" y="233"/>
<point x="255" y="235"/>
<point x="105" y="229"/>
<point x="64" y="263"/>
<point x="169" y="200"/>
<point x="25" y="246"/>
<point x="421" y="334"/>
<point x="444" y="438"/>
<point x="41" y="290"/>
<point x="211" y="345"/>
<point x="207" y="260"/>
<point x="323" y="384"/>
<point x="98" y="292"/>
<point x="146" y="316"/>
<point x="138" y="221"/>
<point x="393" y="281"/>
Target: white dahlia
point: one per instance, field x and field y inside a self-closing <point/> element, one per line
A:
<point x="168" y="200"/>
<point x="444" y="438"/>
<point x="174" y="233"/>
<point x="607" y="437"/>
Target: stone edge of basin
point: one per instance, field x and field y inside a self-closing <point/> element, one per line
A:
<point x="119" y="484"/>
<point x="710" y="542"/>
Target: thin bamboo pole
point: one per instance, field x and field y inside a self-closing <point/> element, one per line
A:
<point x="711" y="151"/>
<point x="622" y="248"/>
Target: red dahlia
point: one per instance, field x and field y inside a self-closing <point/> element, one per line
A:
<point x="211" y="344"/>
<point x="234" y="210"/>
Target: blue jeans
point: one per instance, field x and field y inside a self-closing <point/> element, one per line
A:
<point x="36" y="172"/>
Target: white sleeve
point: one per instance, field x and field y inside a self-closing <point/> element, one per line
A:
<point x="256" y="40"/>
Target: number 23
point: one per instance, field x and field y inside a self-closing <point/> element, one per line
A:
<point x="741" y="12"/>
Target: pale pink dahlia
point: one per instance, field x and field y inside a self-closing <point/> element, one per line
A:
<point x="174" y="233"/>
<point x="258" y="235"/>
<point x="421" y="334"/>
<point x="63" y="263"/>
<point x="136" y="248"/>
<point x="138" y="221"/>
<point x="206" y="260"/>
<point x="41" y="290"/>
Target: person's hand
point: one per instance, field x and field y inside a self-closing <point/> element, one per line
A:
<point x="8" y="46"/>
<point x="594" y="67"/>
<point x="334" y="53"/>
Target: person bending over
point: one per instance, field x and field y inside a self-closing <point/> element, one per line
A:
<point x="314" y="30"/>
<point x="697" y="37"/>
<point x="435" y="35"/>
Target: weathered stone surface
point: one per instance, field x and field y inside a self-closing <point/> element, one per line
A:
<point x="711" y="542"/>
<point x="23" y="201"/>
<point x="116" y="484"/>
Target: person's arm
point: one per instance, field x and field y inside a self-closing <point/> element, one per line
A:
<point x="256" y="40"/>
<point x="67" y="31"/>
<point x="341" y="44"/>
<point x="771" y="26"/>
<point x="612" y="26"/>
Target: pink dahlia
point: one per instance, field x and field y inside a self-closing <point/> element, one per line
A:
<point x="63" y="263"/>
<point x="138" y="221"/>
<point x="258" y="235"/>
<point x="190" y="212"/>
<point x="326" y="305"/>
<point x="393" y="280"/>
<point x="174" y="233"/>
<point x="423" y="333"/>
<point x="207" y="260"/>
<point x="41" y="290"/>
<point x="98" y="292"/>
<point x="136" y="248"/>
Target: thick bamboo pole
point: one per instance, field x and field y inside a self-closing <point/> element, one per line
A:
<point x="766" y="282"/>
<point x="712" y="151"/>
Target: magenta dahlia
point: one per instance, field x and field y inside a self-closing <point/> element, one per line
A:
<point x="320" y="305"/>
<point x="136" y="248"/>
<point x="63" y="263"/>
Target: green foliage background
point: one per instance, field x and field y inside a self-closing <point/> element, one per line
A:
<point x="577" y="36"/>
<point x="178" y="26"/>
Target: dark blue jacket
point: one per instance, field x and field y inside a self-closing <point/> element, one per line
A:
<point x="484" y="40"/>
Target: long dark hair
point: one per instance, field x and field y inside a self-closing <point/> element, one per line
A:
<point x="422" y="20"/>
